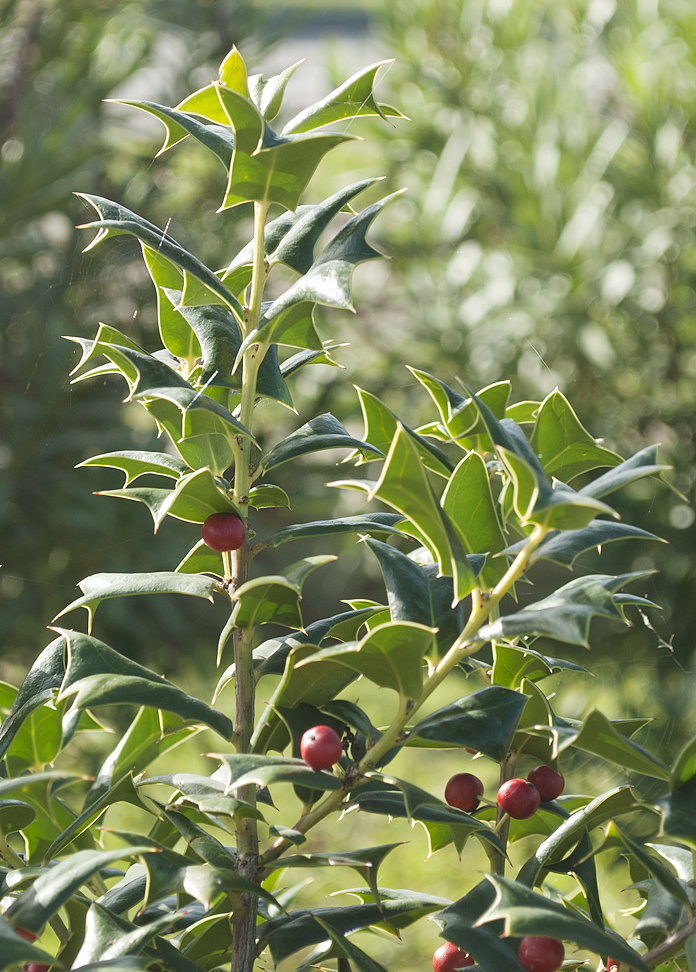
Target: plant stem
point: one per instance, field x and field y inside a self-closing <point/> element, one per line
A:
<point x="465" y="645"/>
<point x="244" y="918"/>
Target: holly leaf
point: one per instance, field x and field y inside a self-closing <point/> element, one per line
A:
<point x="564" y="547"/>
<point x="565" y="448"/>
<point x="115" y="220"/>
<point x="134" y="464"/>
<point x="322" y="432"/>
<point x="354" y="98"/>
<point x="368" y="523"/>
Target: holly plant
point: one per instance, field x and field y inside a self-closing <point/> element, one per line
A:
<point x="466" y="505"/>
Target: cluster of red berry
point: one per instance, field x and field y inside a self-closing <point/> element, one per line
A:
<point x="536" y="954"/>
<point x="518" y="798"/>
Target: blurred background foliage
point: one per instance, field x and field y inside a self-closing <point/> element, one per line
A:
<point x="548" y="235"/>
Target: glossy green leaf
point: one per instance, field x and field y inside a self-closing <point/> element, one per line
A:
<point x="219" y="337"/>
<point x="152" y="733"/>
<point x="552" y="850"/>
<point x="98" y="675"/>
<point x="268" y="495"/>
<point x="564" y="547"/>
<point x="355" y="97"/>
<point x="457" y="920"/>
<point x="275" y="598"/>
<point x="469" y="503"/>
<point x="513" y="663"/>
<point x="267" y="770"/>
<point x="404" y="485"/>
<point x="38" y="740"/>
<point x="360" y="960"/>
<point x="643" y="463"/>
<point x="39" y="686"/>
<point x="566" y="614"/>
<point x="485" y="721"/>
<point x="202" y="560"/>
<point x="106" y="938"/>
<point x="380" y="428"/>
<point x="600" y="737"/>
<point x="115" y="219"/>
<point x="219" y="139"/>
<point x="50" y="891"/>
<point x="175" y="332"/>
<point x="661" y="915"/>
<point x="327" y="282"/>
<point x="195" y="497"/>
<point x="297" y="361"/>
<point x="416" y="593"/>
<point x="208" y="794"/>
<point x="135" y="464"/>
<point x="526" y="913"/>
<point x="205" y="884"/>
<point x="287" y="934"/>
<point x="100" y="587"/>
<point x="315" y="684"/>
<point x="564" y="447"/>
<point x="366" y="862"/>
<point x="390" y="655"/>
<point x="15" y="815"/>
<point x="322" y="432"/>
<point x="369" y="523"/>
<point x="459" y="415"/>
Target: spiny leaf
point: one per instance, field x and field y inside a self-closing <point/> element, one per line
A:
<point x="565" y="448"/>
<point x="322" y="432"/>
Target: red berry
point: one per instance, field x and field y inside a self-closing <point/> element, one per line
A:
<point x="223" y="531"/>
<point x="448" y="957"/>
<point x="548" y="782"/>
<point x="28" y="936"/>
<point x="519" y="798"/>
<point x="463" y="791"/>
<point x="321" y="747"/>
<point x="35" y="967"/>
<point x="539" y="954"/>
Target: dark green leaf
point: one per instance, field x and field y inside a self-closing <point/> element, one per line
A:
<point x="672" y="885"/>
<point x="643" y="463"/>
<point x="136" y="464"/>
<point x="15" y="950"/>
<point x="491" y="952"/>
<point x="100" y="587"/>
<point x="323" y="432"/>
<point x="564" y="547"/>
<point x="679" y="821"/>
<point x="365" y="523"/>
<point x="115" y="219"/>
<point x="527" y="913"/>
<point x="39" y="686"/>
<point x="485" y="721"/>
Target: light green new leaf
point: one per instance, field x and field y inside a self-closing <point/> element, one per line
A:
<point x="353" y="98"/>
<point x="267" y="167"/>
<point x="404" y="485"/>
<point x="267" y="496"/>
<point x="469" y="503"/>
<point x="566" y="614"/>
<point x="322" y="432"/>
<point x="512" y="663"/>
<point x="98" y="675"/>
<point x="565" y="448"/>
<point x="527" y="913"/>
<point x="390" y="655"/>
<point x="267" y="93"/>
<point x="100" y="587"/>
<point x="135" y="464"/>
<point x="115" y="219"/>
<point x="175" y="331"/>
<point x="460" y="415"/>
<point x="35" y="906"/>
<point x="202" y="560"/>
<point x="195" y="497"/>
<point x="381" y="425"/>
<point x="275" y="598"/>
